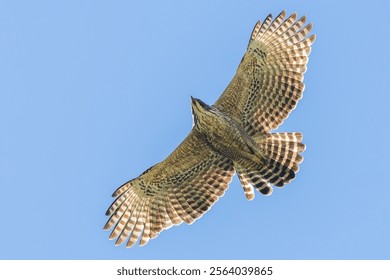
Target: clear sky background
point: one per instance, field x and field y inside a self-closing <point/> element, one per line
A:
<point x="94" y="92"/>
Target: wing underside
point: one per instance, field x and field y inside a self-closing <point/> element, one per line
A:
<point x="181" y="188"/>
<point x="269" y="80"/>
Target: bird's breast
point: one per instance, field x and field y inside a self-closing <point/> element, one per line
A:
<point x="227" y="138"/>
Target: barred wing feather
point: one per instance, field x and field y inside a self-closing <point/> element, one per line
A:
<point x="181" y="188"/>
<point x="269" y="80"/>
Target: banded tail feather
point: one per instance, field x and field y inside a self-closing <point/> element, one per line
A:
<point x="282" y="159"/>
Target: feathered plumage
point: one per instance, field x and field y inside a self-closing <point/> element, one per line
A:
<point x="233" y="135"/>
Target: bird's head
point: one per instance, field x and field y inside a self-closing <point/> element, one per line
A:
<point x="201" y="111"/>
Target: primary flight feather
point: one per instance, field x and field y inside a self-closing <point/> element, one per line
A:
<point x="232" y="135"/>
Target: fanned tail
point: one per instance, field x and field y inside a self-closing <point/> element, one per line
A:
<point x="282" y="158"/>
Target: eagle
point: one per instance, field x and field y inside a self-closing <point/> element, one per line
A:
<point x="234" y="135"/>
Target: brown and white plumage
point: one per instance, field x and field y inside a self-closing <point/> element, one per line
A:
<point x="269" y="80"/>
<point x="181" y="188"/>
<point x="233" y="135"/>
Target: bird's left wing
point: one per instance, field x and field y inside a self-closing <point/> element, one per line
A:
<point x="180" y="188"/>
<point x="269" y="80"/>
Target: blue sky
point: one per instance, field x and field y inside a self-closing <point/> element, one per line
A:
<point x="94" y="92"/>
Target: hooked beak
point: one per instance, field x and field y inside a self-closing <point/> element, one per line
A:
<point x="198" y="102"/>
<point x="193" y="99"/>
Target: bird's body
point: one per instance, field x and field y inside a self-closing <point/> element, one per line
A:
<point x="232" y="135"/>
<point x="223" y="134"/>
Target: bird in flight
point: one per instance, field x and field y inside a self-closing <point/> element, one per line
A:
<point x="234" y="135"/>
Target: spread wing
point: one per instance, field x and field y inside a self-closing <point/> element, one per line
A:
<point x="269" y="80"/>
<point x="181" y="188"/>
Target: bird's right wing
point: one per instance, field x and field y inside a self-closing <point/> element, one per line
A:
<point x="269" y="80"/>
<point x="180" y="188"/>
